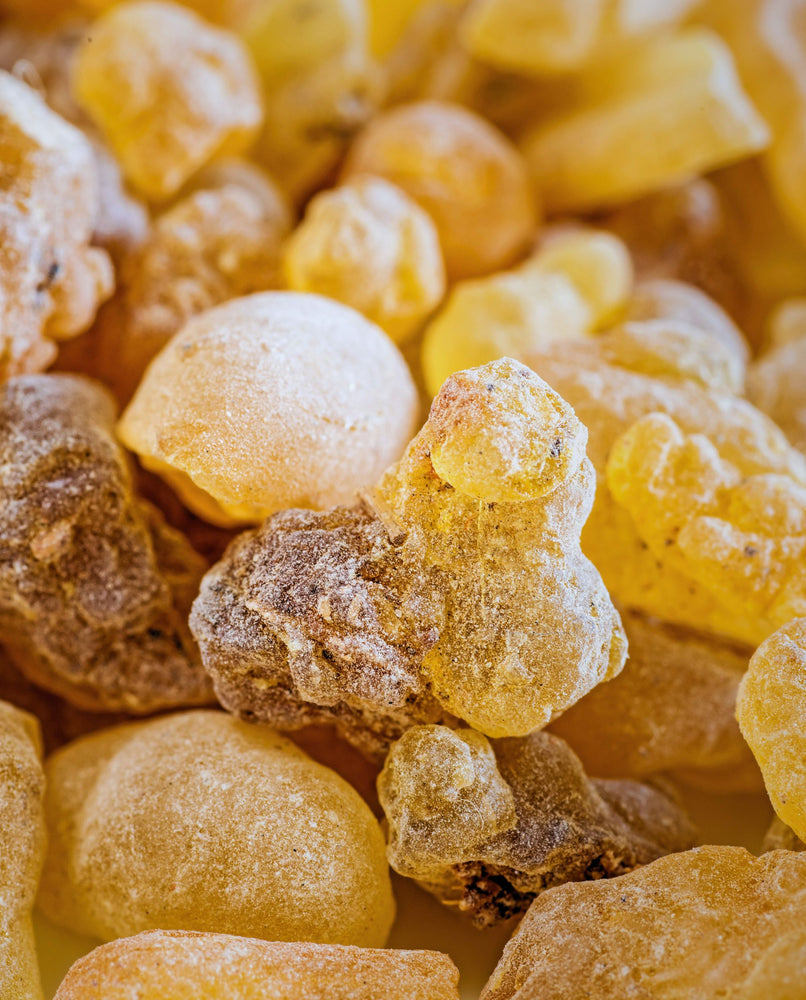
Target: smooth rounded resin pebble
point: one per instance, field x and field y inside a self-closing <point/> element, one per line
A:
<point x="22" y="848"/>
<point x="272" y="401"/>
<point x="772" y="714"/>
<point x="199" y="822"/>
<point x="710" y="923"/>
<point x="182" y="965"/>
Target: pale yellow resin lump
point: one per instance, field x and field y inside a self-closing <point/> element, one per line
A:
<point x="672" y="109"/>
<point x="199" y="822"/>
<point x="22" y="850"/>
<point x="51" y="279"/>
<point x="465" y="173"/>
<point x="181" y="965"/>
<point x="709" y="923"/>
<point x="776" y="380"/>
<point x="371" y="246"/>
<point x="169" y="92"/>
<point x="772" y="715"/>
<point x="275" y="400"/>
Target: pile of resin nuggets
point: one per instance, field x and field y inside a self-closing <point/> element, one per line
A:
<point x="231" y="214"/>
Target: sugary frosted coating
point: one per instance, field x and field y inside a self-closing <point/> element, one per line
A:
<point x="675" y="103"/>
<point x="672" y="708"/>
<point x="772" y="714"/>
<point x="219" y="241"/>
<point x="464" y="172"/>
<point x="779" y="837"/>
<point x="609" y="397"/>
<point x="51" y="280"/>
<point x="739" y="532"/>
<point x="486" y="828"/>
<point x="197" y="821"/>
<point x="271" y="401"/>
<point x="169" y="92"/>
<point x="182" y="965"/>
<point x="710" y="922"/>
<point x="438" y="590"/>
<point x="578" y="280"/>
<point x="371" y="246"/>
<point x="94" y="586"/>
<point x="22" y="850"/>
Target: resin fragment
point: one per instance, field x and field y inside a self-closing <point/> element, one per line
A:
<point x="271" y="401"/>
<point x="775" y="382"/>
<point x="465" y="173"/>
<point x="369" y="245"/>
<point x="51" y="279"/>
<point x="487" y="827"/>
<point x="772" y="714"/>
<point x="710" y="922"/>
<point x="200" y="822"/>
<point x="676" y="104"/>
<point x="169" y="92"/>
<point x="94" y="586"/>
<point x="436" y="594"/>
<point x="174" y="965"/>
<point x="22" y="849"/>
<point x="672" y="709"/>
<point x="779" y="837"/>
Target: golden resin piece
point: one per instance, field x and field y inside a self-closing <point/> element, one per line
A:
<point x="711" y="922"/>
<point x="197" y="821"/>
<point x="182" y="965"/>
<point x="94" y="586"/>
<point x="578" y="281"/>
<point x="271" y="401"/>
<point x="371" y="246"/>
<point x="51" y="279"/>
<point x="22" y="850"/>
<point x="464" y="172"/>
<point x="609" y="396"/>
<point x="775" y="381"/>
<point x="675" y="103"/>
<point x="436" y="593"/>
<point x="221" y="240"/>
<point x="672" y="709"/>
<point x="487" y="827"/>
<point x="169" y="92"/>
<point x="779" y="837"/>
<point x="772" y="714"/>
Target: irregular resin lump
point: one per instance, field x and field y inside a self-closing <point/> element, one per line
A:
<point x="94" y="586"/>
<point x="371" y="246"/>
<point x="169" y="92"/>
<point x="179" y="965"/>
<point x="487" y="827"/>
<point x="708" y="923"/>
<point x="464" y="172"/>
<point x="22" y="849"/>
<point x="456" y="586"/>
<point x="51" y="280"/>
<point x="772" y="714"/>
<point x="200" y="822"/>
<point x="271" y="401"/>
<point x="672" y="708"/>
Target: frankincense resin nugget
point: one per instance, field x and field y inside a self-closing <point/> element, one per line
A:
<point x="177" y="965"/>
<point x="456" y="586"/>
<point x="51" y="279"/>
<point x="271" y="401"/>
<point x="487" y="827"/>
<point x="197" y="821"/>
<point x="710" y="923"/>
<point x="22" y="850"/>
<point x="94" y="586"/>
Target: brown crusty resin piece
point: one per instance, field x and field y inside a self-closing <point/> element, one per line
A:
<point x="183" y="965"/>
<point x="94" y="586"/>
<point x="707" y="923"/>
<point x="487" y="826"/>
<point x="455" y="589"/>
<point x="22" y="850"/>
